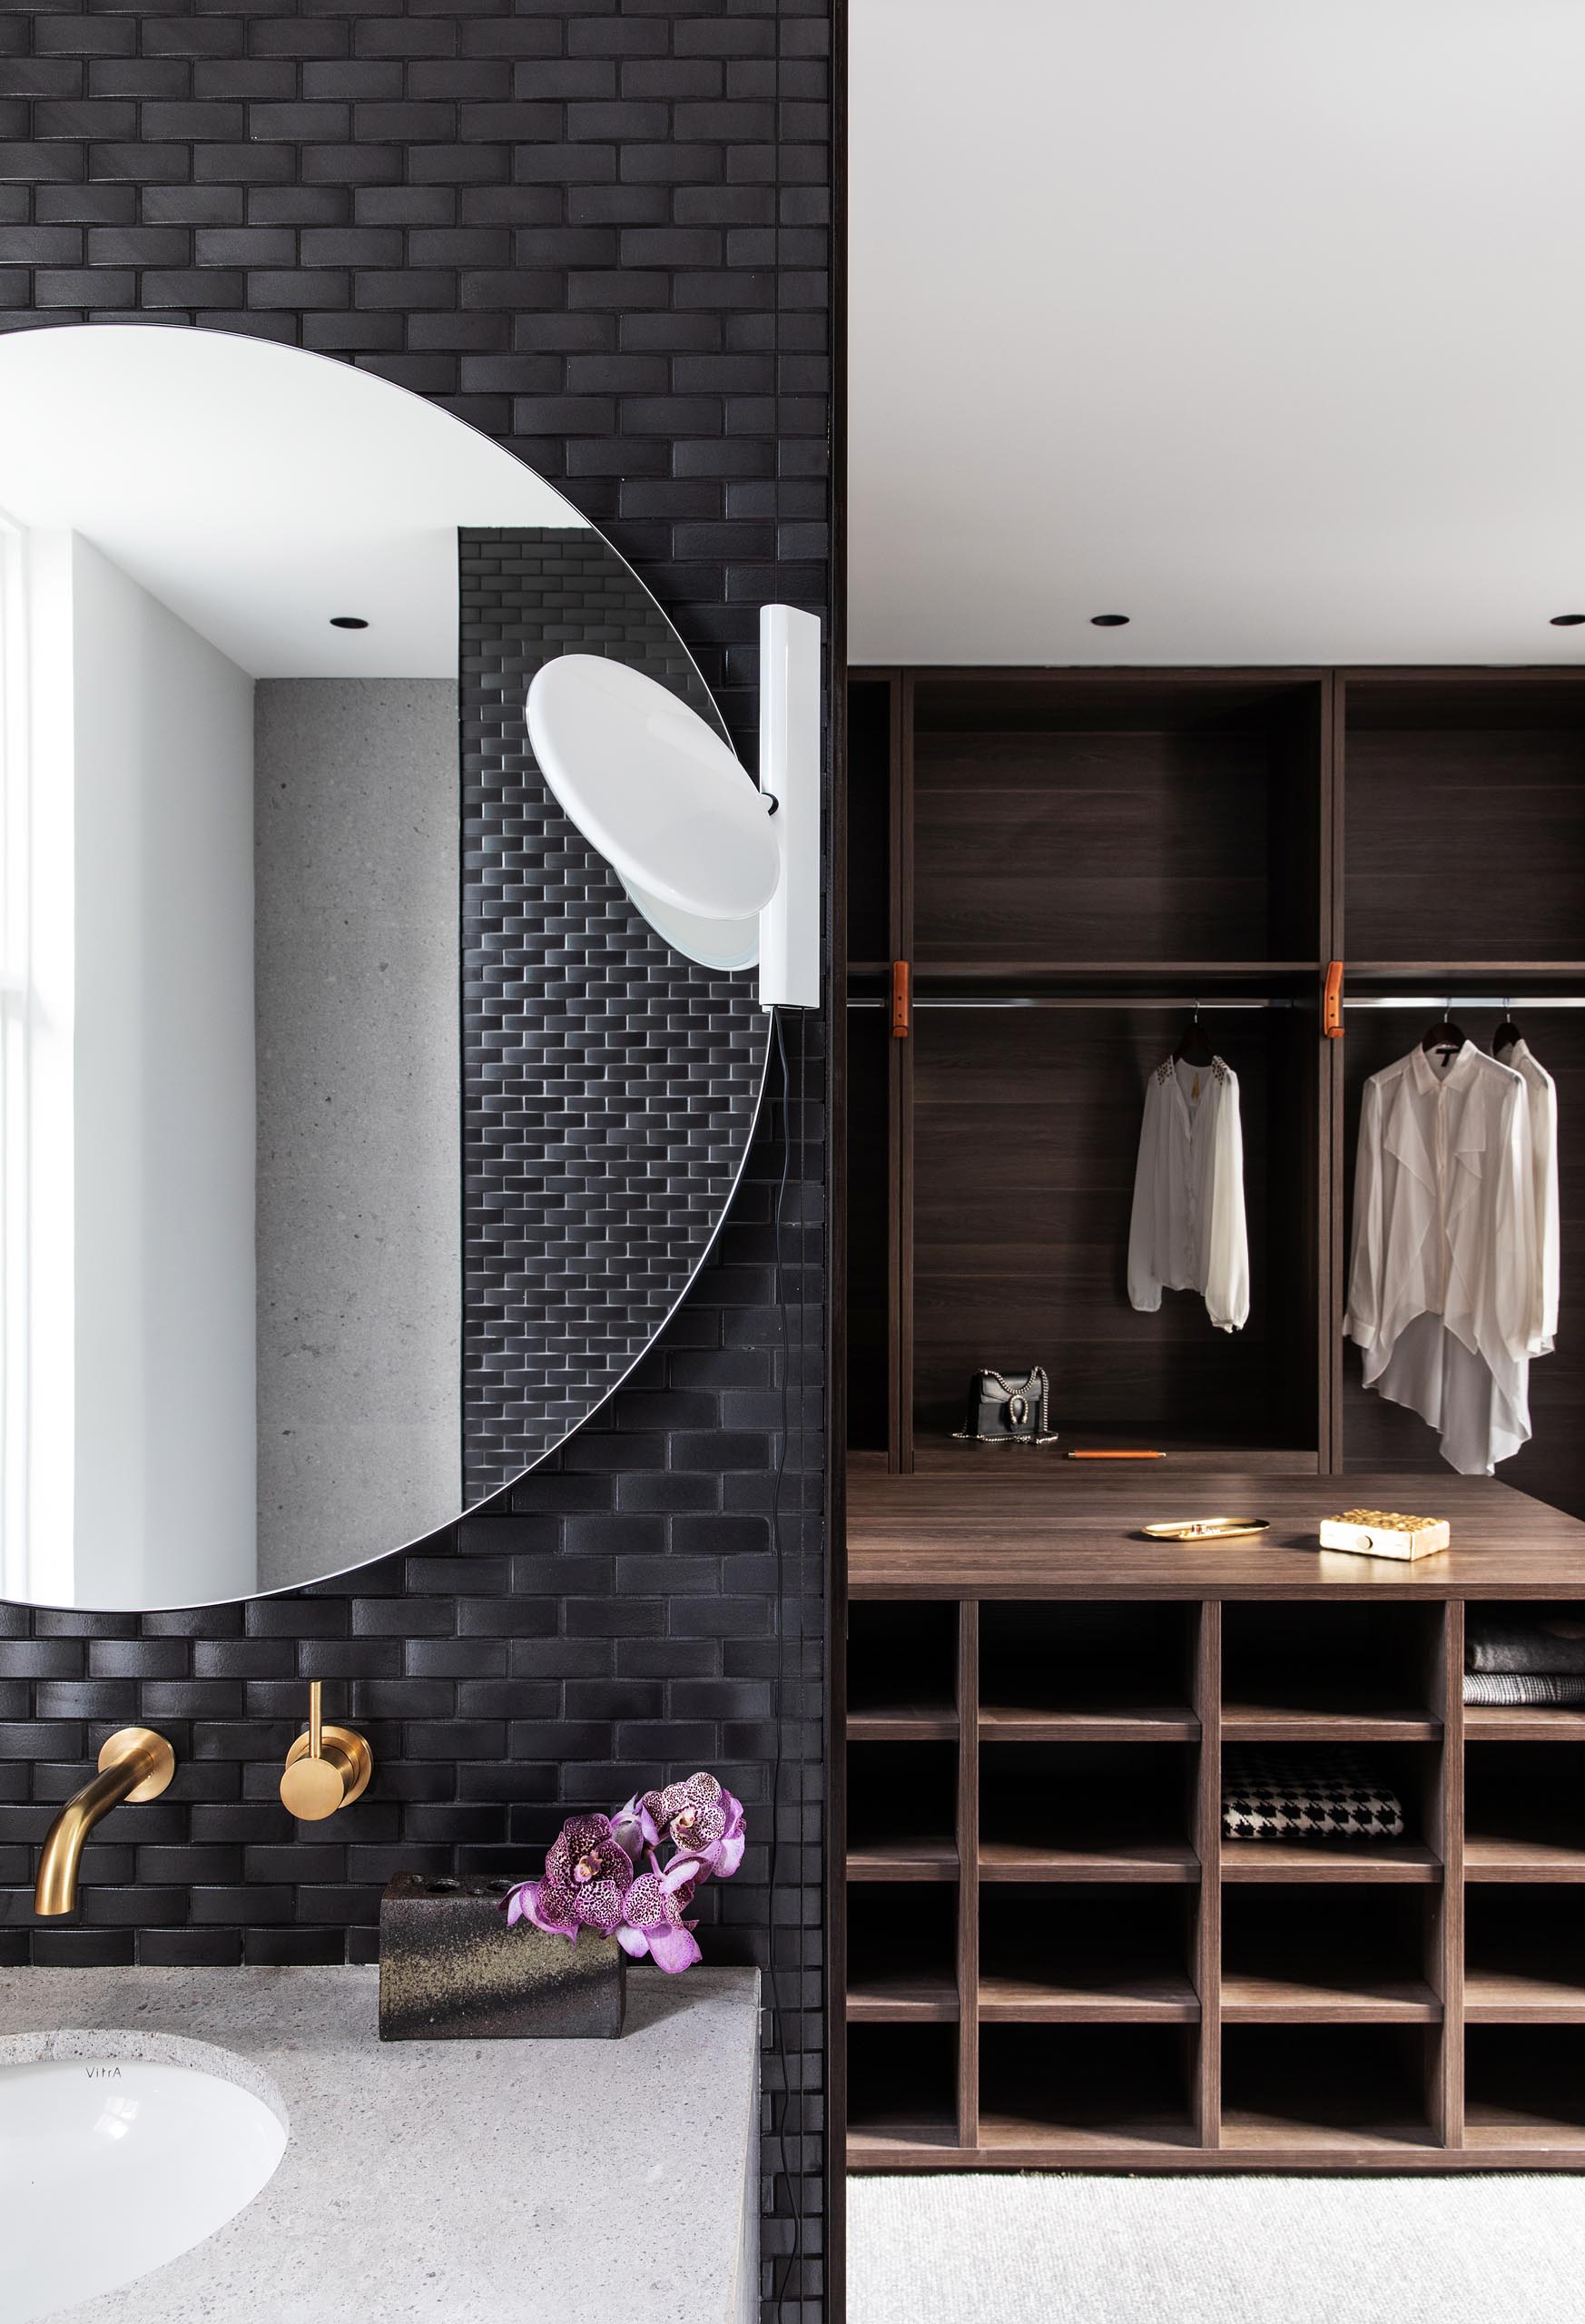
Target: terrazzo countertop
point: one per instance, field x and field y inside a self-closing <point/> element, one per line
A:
<point x="457" y="2181"/>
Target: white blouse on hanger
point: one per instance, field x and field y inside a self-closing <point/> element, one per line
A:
<point x="1442" y="1293"/>
<point x="1542" y="1092"/>
<point x="1188" y="1231"/>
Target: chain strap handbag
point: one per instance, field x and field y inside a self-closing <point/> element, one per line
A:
<point x="1008" y="1411"/>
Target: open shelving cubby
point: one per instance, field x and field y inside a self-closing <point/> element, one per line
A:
<point x="1525" y="2091"/>
<point x="1524" y="1781"/>
<point x="1498" y="756"/>
<point x="903" y="1810"/>
<point x="1524" y="1802"/>
<point x="1524" y="1954"/>
<point x="1083" y="2091"/>
<point x="902" y="1673"/>
<point x="1075" y="1953"/>
<point x="902" y="2089"/>
<point x="1064" y="858"/>
<point x="902" y="1954"/>
<point x="1085" y="1811"/>
<point x="1367" y="1959"/>
<point x="1096" y="1979"/>
<point x="1092" y="1672"/>
<point x="1024" y="1126"/>
<point x="1346" y="2093"/>
<point x="1093" y="817"/>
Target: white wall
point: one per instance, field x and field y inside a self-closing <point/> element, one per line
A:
<point x="150" y="875"/>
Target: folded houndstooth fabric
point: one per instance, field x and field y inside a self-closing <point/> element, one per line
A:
<point x="1518" y="1687"/>
<point x="1326" y="1793"/>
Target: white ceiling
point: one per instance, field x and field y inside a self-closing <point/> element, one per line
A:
<point x="259" y="490"/>
<point x="1264" y="324"/>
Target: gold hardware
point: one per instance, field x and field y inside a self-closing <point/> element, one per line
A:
<point x="134" y="1765"/>
<point x="1207" y="1529"/>
<point x="327" y="1768"/>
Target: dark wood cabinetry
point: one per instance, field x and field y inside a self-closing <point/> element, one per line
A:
<point x="1053" y="1958"/>
<point x="1056" y="1960"/>
<point x="1067" y="860"/>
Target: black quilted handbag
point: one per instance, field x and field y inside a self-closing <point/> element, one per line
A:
<point x="1003" y="1410"/>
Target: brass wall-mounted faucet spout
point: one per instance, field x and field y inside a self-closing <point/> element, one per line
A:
<point x="134" y="1765"/>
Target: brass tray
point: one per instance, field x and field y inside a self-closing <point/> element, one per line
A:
<point x="1207" y="1529"/>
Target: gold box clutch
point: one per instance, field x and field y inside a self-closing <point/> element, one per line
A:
<point x="1384" y="1533"/>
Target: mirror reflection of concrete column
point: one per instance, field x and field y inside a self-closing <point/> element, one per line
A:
<point x="360" y="1161"/>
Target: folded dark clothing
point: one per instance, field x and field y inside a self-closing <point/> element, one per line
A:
<point x="1552" y="1638"/>
<point x="1558" y="1689"/>
<point x="1326" y="1793"/>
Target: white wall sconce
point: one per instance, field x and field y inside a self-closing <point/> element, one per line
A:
<point x="728" y="875"/>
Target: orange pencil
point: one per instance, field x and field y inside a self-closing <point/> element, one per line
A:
<point x="1117" y="1456"/>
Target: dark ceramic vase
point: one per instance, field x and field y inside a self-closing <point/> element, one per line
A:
<point x="452" y="1970"/>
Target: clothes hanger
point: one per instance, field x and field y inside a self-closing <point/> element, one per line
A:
<point x="1444" y="1034"/>
<point x="1508" y="1035"/>
<point x="1194" y="1048"/>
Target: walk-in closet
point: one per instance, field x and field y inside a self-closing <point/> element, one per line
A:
<point x="1069" y="863"/>
<point x="1057" y="1956"/>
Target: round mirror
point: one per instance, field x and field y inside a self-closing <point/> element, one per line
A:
<point x="359" y="1133"/>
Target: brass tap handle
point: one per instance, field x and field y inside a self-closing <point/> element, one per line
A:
<point x="327" y="1768"/>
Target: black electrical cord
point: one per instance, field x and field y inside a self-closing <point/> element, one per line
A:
<point x="787" y="2272"/>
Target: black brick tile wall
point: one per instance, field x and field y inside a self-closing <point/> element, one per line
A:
<point x="600" y="232"/>
<point x="609" y="1085"/>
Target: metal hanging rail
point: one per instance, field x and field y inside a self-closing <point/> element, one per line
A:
<point x="1419" y="1002"/>
<point x="1422" y="1001"/>
<point x="1070" y="1001"/>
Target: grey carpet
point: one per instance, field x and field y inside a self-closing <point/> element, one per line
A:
<point x="986" y="2249"/>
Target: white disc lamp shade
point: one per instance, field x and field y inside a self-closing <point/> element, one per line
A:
<point x="726" y="874"/>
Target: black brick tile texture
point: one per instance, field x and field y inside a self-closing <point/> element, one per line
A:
<point x="597" y="232"/>
<point x="572" y="1261"/>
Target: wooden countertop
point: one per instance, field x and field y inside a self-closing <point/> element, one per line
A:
<point x="1052" y="1527"/>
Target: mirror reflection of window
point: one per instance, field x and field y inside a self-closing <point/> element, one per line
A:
<point x="13" y="1061"/>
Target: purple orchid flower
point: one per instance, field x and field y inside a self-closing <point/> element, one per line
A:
<point x="722" y="1856"/>
<point x="593" y="1876"/>
<point x="652" y="1918"/>
<point x="633" y="1829"/>
<point x="702" y="1819"/>
<point x="587" y="1873"/>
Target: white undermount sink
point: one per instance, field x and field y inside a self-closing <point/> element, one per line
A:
<point x="111" y="2165"/>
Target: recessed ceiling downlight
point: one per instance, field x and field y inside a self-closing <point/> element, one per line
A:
<point x="1568" y="621"/>
<point x="347" y="621"/>
<point x="1109" y="621"/>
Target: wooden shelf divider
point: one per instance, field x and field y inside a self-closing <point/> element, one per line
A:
<point x="1445" y="1933"/>
<point x="1129" y="1723"/>
<point x="968" y="1878"/>
<point x="903" y="1860"/>
<point x="1404" y="1862"/>
<point x="1207" y="1813"/>
<point x="918" y="1723"/>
